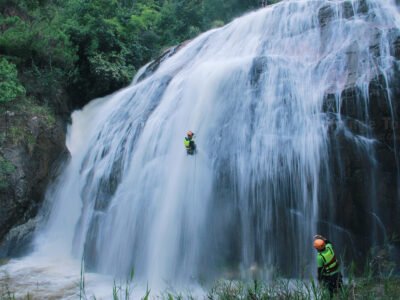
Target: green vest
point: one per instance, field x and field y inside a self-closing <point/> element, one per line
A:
<point x="187" y="143"/>
<point x="326" y="259"/>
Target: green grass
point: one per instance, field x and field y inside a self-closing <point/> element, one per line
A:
<point x="5" y="292"/>
<point x="279" y="289"/>
<point x="370" y="285"/>
<point x="302" y="290"/>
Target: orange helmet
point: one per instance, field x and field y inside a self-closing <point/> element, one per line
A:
<point x="319" y="244"/>
<point x="189" y="133"/>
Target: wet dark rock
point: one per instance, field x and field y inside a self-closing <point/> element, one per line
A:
<point x="154" y="65"/>
<point x="348" y="10"/>
<point x="33" y="158"/>
<point x="345" y="10"/>
<point x="360" y="176"/>
<point x="17" y="242"/>
<point x="326" y="14"/>
<point x="375" y="36"/>
<point x="362" y="7"/>
<point x="394" y="37"/>
<point x="257" y="69"/>
<point x="352" y="60"/>
<point x="364" y="150"/>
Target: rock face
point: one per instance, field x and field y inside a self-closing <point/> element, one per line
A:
<point x="367" y="196"/>
<point x="31" y="145"/>
<point x="366" y="181"/>
<point x="364" y="142"/>
<point x="153" y="66"/>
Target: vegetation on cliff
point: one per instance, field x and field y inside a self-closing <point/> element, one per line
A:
<point x="10" y="87"/>
<point x="91" y="48"/>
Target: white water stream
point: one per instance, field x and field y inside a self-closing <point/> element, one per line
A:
<point x="253" y="92"/>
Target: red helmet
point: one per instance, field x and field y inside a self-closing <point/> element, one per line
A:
<point x="189" y="133"/>
<point x="319" y="244"/>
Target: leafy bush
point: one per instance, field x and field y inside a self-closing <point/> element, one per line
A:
<point x="10" y="87"/>
<point x="6" y="169"/>
<point x="92" y="48"/>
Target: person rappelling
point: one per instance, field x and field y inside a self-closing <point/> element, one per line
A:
<point x="190" y="145"/>
<point x="328" y="266"/>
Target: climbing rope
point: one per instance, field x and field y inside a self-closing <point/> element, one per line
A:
<point x="194" y="177"/>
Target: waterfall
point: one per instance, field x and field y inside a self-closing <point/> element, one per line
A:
<point x="265" y="98"/>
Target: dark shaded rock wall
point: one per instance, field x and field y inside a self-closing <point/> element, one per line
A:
<point x="32" y="145"/>
<point x="364" y="154"/>
<point x="365" y="207"/>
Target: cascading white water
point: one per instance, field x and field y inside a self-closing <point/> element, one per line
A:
<point x="253" y="92"/>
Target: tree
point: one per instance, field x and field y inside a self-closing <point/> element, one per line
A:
<point x="10" y="87"/>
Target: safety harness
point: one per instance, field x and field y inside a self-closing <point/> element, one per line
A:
<point x="331" y="265"/>
<point x="189" y="144"/>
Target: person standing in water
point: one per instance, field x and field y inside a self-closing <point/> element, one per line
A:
<point x="328" y="265"/>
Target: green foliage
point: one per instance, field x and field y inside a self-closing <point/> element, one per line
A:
<point x="121" y="292"/>
<point x="39" y="38"/>
<point x="302" y="290"/>
<point x="109" y="70"/>
<point x="35" y="41"/>
<point x="91" y="48"/>
<point x="100" y="31"/>
<point x="6" y="169"/>
<point x="180" y="20"/>
<point x="31" y="109"/>
<point x="146" y="296"/>
<point x="10" y="87"/>
<point x="224" y="11"/>
<point x="16" y="134"/>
